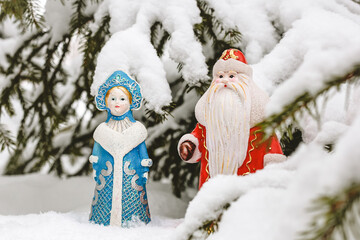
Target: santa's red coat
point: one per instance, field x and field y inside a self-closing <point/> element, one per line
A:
<point x="257" y="148"/>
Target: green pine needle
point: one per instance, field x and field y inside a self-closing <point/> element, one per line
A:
<point x="306" y="102"/>
<point x="6" y="139"/>
<point x="336" y="214"/>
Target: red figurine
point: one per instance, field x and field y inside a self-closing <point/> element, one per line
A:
<point x="225" y="140"/>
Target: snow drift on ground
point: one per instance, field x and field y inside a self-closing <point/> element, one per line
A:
<point x="43" y="207"/>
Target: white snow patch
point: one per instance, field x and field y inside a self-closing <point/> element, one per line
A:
<point x="274" y="203"/>
<point x="45" y="207"/>
<point x="58" y="16"/>
<point x="129" y="48"/>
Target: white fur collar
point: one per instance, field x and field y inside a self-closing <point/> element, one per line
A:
<point x="119" y="144"/>
<point x="119" y="125"/>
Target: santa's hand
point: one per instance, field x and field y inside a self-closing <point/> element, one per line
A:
<point x="187" y="150"/>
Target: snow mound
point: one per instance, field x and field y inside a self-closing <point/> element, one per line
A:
<point x="274" y="203"/>
<point x="43" y="207"/>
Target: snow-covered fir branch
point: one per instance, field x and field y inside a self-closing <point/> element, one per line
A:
<point x="301" y="52"/>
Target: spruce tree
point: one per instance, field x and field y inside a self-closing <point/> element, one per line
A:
<point x="35" y="75"/>
<point x="39" y="63"/>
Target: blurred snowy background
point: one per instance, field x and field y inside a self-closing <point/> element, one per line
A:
<point x="305" y="53"/>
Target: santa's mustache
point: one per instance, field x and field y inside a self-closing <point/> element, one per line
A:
<point x="240" y="87"/>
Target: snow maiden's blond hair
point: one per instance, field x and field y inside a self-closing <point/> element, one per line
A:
<point x="127" y="93"/>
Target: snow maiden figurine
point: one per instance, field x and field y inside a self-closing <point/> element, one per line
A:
<point x="119" y="158"/>
<point x="226" y="140"/>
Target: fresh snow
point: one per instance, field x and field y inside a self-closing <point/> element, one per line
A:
<point x="294" y="46"/>
<point x="45" y="207"/>
<point x="275" y="202"/>
<point x="55" y="10"/>
<point x="129" y="48"/>
<point x="318" y="41"/>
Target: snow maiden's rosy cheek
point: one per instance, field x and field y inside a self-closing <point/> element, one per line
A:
<point x="118" y="100"/>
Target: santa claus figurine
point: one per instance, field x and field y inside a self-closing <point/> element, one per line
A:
<point x="225" y="140"/>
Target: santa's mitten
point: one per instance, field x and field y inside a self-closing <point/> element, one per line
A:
<point x="188" y="149"/>
<point x="273" y="158"/>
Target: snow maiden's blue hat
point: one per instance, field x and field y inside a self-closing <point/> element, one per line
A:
<point x="119" y="78"/>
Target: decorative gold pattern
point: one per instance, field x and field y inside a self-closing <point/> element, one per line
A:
<point x="250" y="158"/>
<point x="232" y="54"/>
<point x="211" y="87"/>
<point x="245" y="77"/>
<point x="206" y="153"/>
<point x="147" y="211"/>
<point x="142" y="200"/>
<point x="142" y="194"/>
<point x="223" y="55"/>
<point x="243" y="90"/>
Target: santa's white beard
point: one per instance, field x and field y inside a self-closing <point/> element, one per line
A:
<point x="227" y="119"/>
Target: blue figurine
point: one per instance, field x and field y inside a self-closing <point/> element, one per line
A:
<point x="119" y="157"/>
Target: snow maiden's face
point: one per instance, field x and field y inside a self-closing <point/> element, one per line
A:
<point x="118" y="100"/>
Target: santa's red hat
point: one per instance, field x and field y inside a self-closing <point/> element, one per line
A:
<point x="232" y="60"/>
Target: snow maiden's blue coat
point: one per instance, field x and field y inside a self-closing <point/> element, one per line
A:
<point x="120" y="162"/>
<point x="120" y="194"/>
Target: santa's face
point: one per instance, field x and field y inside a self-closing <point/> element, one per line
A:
<point x="118" y="102"/>
<point x="225" y="78"/>
<point x="229" y="80"/>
